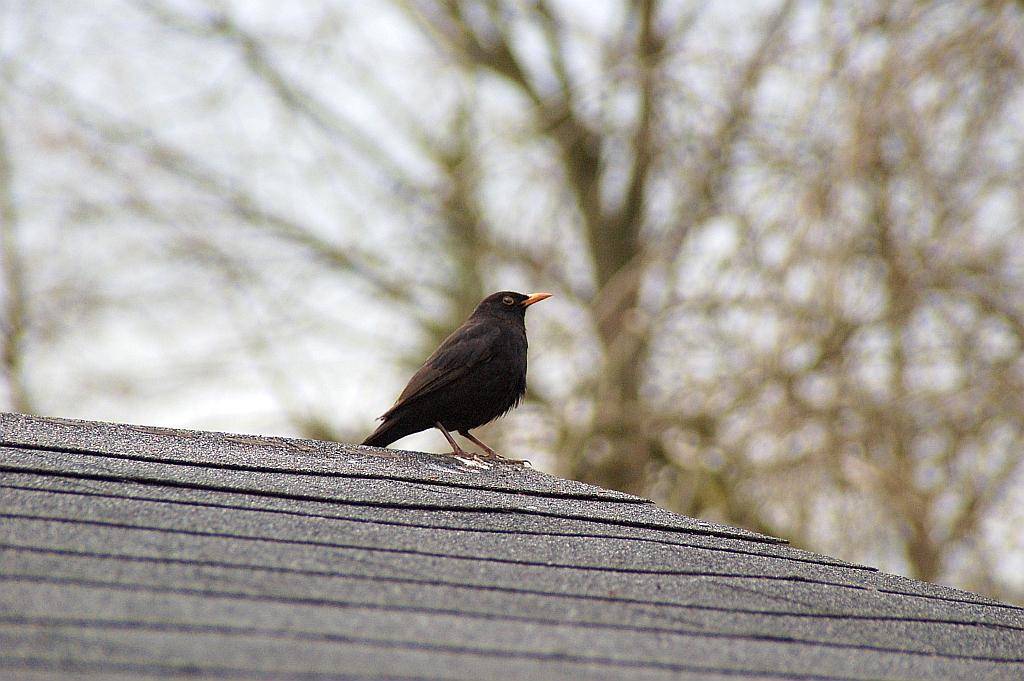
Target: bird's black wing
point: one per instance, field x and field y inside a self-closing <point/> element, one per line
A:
<point x="468" y="347"/>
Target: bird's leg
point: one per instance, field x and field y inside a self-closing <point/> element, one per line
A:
<point x="456" y="449"/>
<point x="487" y="450"/>
<point x="490" y="453"/>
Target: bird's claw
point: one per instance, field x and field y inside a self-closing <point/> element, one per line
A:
<point x="494" y="456"/>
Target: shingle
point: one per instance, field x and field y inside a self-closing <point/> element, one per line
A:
<point x="523" y="523"/>
<point x="399" y="493"/>
<point x="138" y="553"/>
<point x="259" y="453"/>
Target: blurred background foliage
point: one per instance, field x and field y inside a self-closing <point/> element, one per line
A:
<point x="785" y="240"/>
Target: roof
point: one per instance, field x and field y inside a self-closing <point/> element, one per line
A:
<point x="136" y="552"/>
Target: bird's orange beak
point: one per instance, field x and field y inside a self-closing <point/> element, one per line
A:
<point x="535" y="298"/>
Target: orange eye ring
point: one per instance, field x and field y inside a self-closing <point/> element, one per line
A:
<point x="508" y="300"/>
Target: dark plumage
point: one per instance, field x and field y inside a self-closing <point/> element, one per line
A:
<point x="476" y="375"/>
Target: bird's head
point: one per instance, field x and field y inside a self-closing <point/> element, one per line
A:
<point x="508" y="304"/>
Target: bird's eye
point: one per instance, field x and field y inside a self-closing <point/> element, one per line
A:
<point x="508" y="300"/>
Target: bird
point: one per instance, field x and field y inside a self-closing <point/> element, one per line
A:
<point x="476" y="375"/>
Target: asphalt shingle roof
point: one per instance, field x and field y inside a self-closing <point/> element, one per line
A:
<point x="132" y="552"/>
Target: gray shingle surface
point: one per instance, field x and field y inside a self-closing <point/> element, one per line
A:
<point x="130" y="552"/>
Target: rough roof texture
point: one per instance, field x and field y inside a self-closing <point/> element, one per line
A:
<point x="131" y="552"/>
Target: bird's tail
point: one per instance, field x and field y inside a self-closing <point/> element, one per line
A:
<point x="386" y="433"/>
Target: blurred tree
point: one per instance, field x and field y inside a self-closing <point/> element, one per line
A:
<point x="786" y="238"/>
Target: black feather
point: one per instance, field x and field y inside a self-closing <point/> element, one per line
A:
<point x="476" y="375"/>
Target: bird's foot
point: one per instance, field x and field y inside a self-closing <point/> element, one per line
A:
<point x="504" y="459"/>
<point x="490" y="453"/>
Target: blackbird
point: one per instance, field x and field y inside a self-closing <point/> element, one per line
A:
<point x="476" y="375"/>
